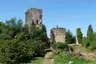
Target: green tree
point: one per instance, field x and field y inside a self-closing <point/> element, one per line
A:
<point x="70" y="38"/>
<point x="15" y="52"/>
<point x="85" y="42"/>
<point x="44" y="28"/>
<point x="10" y="28"/>
<point x="90" y="34"/>
<point x="60" y="45"/>
<point x="93" y="42"/>
<point x="18" y="44"/>
<point x="38" y="34"/>
<point x="79" y="35"/>
<point x="39" y="48"/>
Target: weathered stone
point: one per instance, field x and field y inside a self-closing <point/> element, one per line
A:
<point x="57" y="35"/>
<point x="77" y="40"/>
<point x="34" y="16"/>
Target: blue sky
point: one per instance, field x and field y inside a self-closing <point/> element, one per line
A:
<point x="70" y="14"/>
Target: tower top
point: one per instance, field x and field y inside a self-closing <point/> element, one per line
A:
<point x="34" y="16"/>
<point x="34" y="9"/>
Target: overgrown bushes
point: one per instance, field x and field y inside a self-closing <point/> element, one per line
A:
<point x="60" y="45"/>
<point x="15" y="52"/>
<point x="21" y="44"/>
<point x="90" y="40"/>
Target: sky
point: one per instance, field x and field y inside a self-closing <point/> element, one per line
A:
<point x="69" y="14"/>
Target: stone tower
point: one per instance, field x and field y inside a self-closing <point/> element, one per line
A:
<point x="57" y="35"/>
<point x="34" y="16"/>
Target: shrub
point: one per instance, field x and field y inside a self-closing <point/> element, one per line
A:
<point x="92" y="46"/>
<point x="60" y="45"/>
<point x="14" y="52"/>
<point x="21" y="44"/>
<point x="87" y="44"/>
<point x="39" y="48"/>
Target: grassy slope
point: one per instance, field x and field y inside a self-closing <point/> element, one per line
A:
<point x="65" y="58"/>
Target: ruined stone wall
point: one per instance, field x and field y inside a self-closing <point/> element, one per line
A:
<point x="34" y="16"/>
<point x="58" y="35"/>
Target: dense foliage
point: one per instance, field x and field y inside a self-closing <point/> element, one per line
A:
<point x="90" y="40"/>
<point x="79" y="35"/>
<point x="70" y="38"/>
<point x="20" y="43"/>
<point x="60" y="45"/>
<point x="90" y="33"/>
<point x="67" y="58"/>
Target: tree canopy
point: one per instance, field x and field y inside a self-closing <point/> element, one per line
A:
<point x="79" y="35"/>
<point x="18" y="44"/>
<point x="69" y="37"/>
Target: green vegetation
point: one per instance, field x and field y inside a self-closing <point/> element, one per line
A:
<point x="60" y="45"/>
<point x="90" y="41"/>
<point x="65" y="58"/>
<point x="70" y="38"/>
<point x="20" y="44"/>
<point x="62" y="58"/>
<point x="79" y="35"/>
<point x="90" y="33"/>
<point x="93" y="43"/>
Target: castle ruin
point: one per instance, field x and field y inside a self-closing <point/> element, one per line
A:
<point x="34" y="16"/>
<point x="57" y="35"/>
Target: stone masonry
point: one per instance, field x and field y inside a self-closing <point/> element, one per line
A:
<point x="57" y="35"/>
<point x="34" y="16"/>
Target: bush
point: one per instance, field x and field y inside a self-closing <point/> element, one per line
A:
<point x="93" y="43"/>
<point x="87" y="44"/>
<point x="60" y="45"/>
<point x="39" y="48"/>
<point x="21" y="44"/>
<point x="14" y="52"/>
<point x="92" y="46"/>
